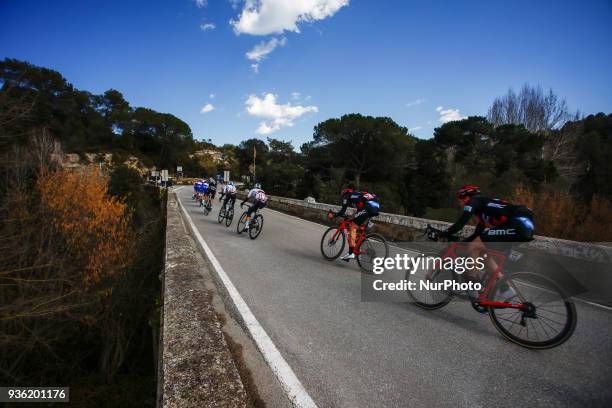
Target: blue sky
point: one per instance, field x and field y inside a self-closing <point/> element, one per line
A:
<point x="418" y="62"/>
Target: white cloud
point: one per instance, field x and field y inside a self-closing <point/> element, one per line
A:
<point x="448" y="115"/>
<point x="295" y="95"/>
<point x="276" y="115"/>
<point x="414" y="129"/>
<point x="209" y="107"/>
<point x="255" y="68"/>
<point x="207" y="26"/>
<point x="212" y="96"/>
<point x="263" y="17"/>
<point x="261" y="50"/>
<point x="201" y="3"/>
<point x="415" y="102"/>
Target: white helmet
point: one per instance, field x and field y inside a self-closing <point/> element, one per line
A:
<point x="257" y="185"/>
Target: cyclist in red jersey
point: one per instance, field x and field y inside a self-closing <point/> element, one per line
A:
<point x="367" y="206"/>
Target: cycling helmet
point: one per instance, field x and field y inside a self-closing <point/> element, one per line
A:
<point x="468" y="191"/>
<point x="231" y="183"/>
<point x="257" y="185"/>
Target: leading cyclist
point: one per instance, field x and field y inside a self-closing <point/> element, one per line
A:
<point x="367" y="206"/>
<point x="498" y="221"/>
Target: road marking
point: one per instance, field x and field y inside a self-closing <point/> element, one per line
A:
<point x="297" y="394"/>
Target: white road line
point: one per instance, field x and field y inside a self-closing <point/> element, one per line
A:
<point x="297" y="394"/>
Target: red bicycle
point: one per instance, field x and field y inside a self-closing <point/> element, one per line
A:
<point x="367" y="246"/>
<point x="528" y="309"/>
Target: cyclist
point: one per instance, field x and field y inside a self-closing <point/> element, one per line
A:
<point x="212" y="187"/>
<point x="367" y="206"/>
<point x="211" y="191"/>
<point x="498" y="221"/>
<point x="258" y="198"/>
<point x="229" y="192"/>
<point x="203" y="191"/>
<point x="196" y="190"/>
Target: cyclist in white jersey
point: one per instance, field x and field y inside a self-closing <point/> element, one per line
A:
<point x="258" y="198"/>
<point x="229" y="192"/>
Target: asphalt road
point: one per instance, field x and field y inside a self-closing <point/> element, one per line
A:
<point x="349" y="353"/>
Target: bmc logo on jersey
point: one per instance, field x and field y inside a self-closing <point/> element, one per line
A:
<point x="496" y="205"/>
<point x="509" y="231"/>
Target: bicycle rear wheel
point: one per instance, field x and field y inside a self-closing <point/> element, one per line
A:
<point x="332" y="243"/>
<point x="241" y="223"/>
<point x="373" y="246"/>
<point x="548" y="318"/>
<point x="425" y="294"/>
<point x="229" y="216"/>
<point x="256" y="226"/>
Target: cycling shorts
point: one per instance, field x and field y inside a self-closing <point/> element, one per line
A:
<point x="368" y="211"/>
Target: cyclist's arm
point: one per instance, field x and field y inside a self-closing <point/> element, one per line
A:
<point x="342" y="211"/>
<point x="460" y="223"/>
<point x="479" y="228"/>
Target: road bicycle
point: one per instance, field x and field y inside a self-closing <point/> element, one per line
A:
<point x="206" y="202"/>
<point x="367" y="246"/>
<point x="255" y="226"/>
<point x="527" y="308"/>
<point x="226" y="212"/>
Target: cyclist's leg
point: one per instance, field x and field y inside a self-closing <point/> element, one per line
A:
<point x="358" y="220"/>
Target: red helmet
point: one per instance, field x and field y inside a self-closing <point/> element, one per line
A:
<point x="347" y="190"/>
<point x="468" y="191"/>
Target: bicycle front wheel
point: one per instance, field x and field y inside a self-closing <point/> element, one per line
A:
<point x="241" y="223"/>
<point x="548" y="318"/>
<point x="256" y="226"/>
<point x="426" y="294"/>
<point x="372" y="246"/>
<point x="332" y="243"/>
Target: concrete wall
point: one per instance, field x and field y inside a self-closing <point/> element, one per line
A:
<point x="405" y="228"/>
<point x="196" y="367"/>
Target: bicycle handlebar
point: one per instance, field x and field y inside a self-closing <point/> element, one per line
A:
<point x="434" y="234"/>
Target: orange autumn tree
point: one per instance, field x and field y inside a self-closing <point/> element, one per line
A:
<point x="558" y="214"/>
<point x="94" y="227"/>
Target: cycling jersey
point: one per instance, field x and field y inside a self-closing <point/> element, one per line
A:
<point x="229" y="189"/>
<point x="259" y="199"/>
<point x="367" y="205"/>
<point x="257" y="195"/>
<point x="212" y="189"/>
<point x="505" y="221"/>
<point x="203" y="187"/>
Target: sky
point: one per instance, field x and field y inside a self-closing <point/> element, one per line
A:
<point x="236" y="69"/>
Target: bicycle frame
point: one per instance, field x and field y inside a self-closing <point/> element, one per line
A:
<point x="490" y="278"/>
<point x="344" y="226"/>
